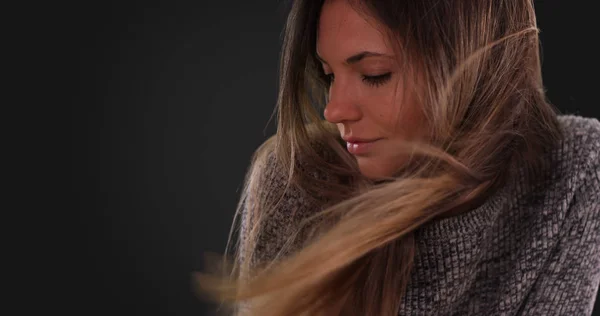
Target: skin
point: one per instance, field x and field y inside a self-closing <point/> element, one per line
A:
<point x="361" y="108"/>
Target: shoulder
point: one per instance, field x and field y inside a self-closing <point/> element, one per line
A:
<point x="581" y="156"/>
<point x="573" y="189"/>
<point x="274" y="179"/>
<point x="275" y="202"/>
<point x="314" y="177"/>
<point x="268" y="186"/>
<point x="567" y="187"/>
<point x="574" y="161"/>
<point x="312" y="173"/>
<point x="567" y="219"/>
<point x="266" y="172"/>
<point x="579" y="150"/>
<point x="581" y="137"/>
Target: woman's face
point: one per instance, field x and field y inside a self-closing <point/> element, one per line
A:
<point x="366" y="95"/>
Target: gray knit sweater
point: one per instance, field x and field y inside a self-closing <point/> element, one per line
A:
<point x="525" y="251"/>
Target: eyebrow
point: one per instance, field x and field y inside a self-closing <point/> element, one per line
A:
<point x="356" y="58"/>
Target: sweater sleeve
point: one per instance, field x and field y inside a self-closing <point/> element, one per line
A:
<point x="568" y="285"/>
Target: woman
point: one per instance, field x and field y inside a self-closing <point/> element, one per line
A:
<point x="439" y="181"/>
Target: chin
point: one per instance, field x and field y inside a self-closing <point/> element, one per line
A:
<point x="373" y="168"/>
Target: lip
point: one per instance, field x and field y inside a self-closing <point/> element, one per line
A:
<point x="351" y="139"/>
<point x="357" y="146"/>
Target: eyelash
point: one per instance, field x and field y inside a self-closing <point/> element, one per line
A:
<point x="374" y="81"/>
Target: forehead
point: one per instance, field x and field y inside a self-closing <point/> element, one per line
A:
<point x="343" y="31"/>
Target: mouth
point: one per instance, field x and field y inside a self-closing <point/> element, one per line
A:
<point x="360" y="147"/>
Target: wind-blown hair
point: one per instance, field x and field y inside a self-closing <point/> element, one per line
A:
<point x="485" y="104"/>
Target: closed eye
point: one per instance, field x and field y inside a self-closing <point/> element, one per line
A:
<point x="375" y="81"/>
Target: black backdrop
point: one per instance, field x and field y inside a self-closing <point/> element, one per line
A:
<point x="171" y="99"/>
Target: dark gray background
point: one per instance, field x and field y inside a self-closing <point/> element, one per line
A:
<point x="171" y="99"/>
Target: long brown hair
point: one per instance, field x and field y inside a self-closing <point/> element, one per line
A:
<point x="485" y="103"/>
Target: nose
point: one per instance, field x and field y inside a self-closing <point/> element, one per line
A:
<point x="342" y="105"/>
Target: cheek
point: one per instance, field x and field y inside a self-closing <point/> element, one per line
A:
<point x="390" y="110"/>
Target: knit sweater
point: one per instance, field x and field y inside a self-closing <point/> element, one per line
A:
<point x="527" y="250"/>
